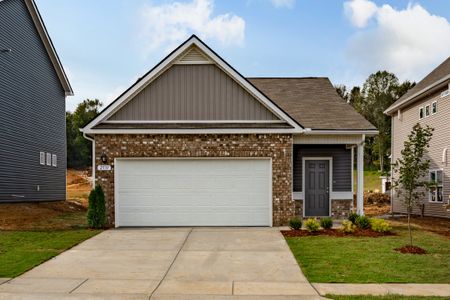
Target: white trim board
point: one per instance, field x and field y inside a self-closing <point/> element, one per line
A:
<point x="333" y="195"/>
<point x="171" y="59"/>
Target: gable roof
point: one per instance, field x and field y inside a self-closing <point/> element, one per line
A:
<point x="440" y="75"/>
<point x="313" y="102"/>
<point x="173" y="58"/>
<point x="48" y="44"/>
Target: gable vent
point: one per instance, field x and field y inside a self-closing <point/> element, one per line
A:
<point x="194" y="56"/>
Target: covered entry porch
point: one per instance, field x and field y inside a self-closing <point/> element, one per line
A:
<point x="324" y="177"/>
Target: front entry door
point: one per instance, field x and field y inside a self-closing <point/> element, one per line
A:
<point x="317" y="187"/>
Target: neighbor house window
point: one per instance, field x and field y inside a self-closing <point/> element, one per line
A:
<point x="434" y="107"/>
<point x="49" y="159"/>
<point x="421" y="114"/>
<point x="427" y="111"/>
<point x="42" y="158"/>
<point x="436" y="187"/>
<point x="54" y="160"/>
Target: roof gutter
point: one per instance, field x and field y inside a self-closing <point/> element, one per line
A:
<point x="343" y="132"/>
<point x="394" y="107"/>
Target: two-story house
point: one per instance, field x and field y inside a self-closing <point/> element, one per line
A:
<point x="427" y="103"/>
<point x="33" y="88"/>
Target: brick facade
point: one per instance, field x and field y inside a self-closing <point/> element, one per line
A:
<point x="340" y="209"/>
<point x="276" y="146"/>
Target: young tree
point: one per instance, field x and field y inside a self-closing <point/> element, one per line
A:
<point x="78" y="148"/>
<point x="411" y="169"/>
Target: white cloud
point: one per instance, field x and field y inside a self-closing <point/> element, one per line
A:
<point x="283" y="3"/>
<point x="360" y="11"/>
<point x="167" y="25"/>
<point x="409" y="42"/>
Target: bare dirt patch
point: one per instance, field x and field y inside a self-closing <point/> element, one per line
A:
<point x="373" y="210"/>
<point x="436" y="225"/>
<point x="411" y="250"/>
<point x="335" y="233"/>
<point x="50" y="215"/>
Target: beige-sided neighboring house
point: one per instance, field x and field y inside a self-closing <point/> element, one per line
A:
<point x="194" y="143"/>
<point x="427" y="103"/>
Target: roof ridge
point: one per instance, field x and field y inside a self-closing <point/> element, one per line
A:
<point x="282" y="77"/>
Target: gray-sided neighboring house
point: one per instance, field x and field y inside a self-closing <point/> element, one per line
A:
<point x="194" y="143"/>
<point x="33" y="89"/>
<point x="427" y="103"/>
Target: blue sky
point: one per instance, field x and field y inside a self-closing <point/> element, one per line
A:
<point x="105" y="45"/>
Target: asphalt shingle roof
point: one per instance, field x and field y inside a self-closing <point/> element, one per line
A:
<point x="440" y="72"/>
<point x="312" y="102"/>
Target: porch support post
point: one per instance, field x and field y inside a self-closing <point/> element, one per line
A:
<point x="360" y="185"/>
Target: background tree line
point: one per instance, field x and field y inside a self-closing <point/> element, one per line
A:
<point x="79" y="149"/>
<point x="378" y="92"/>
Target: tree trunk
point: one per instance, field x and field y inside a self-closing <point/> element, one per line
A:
<point x="409" y="228"/>
<point x="381" y="155"/>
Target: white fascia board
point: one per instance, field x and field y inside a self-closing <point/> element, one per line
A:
<point x="192" y="131"/>
<point x="341" y="132"/>
<point x="169" y="61"/>
<point x="48" y="45"/>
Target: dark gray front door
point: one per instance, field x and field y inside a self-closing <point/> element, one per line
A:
<point x="317" y="186"/>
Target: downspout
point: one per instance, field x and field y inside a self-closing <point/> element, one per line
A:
<point x="93" y="157"/>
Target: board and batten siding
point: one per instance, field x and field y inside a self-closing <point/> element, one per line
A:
<point x="32" y="112"/>
<point x="440" y="140"/>
<point x="342" y="170"/>
<point x="193" y="92"/>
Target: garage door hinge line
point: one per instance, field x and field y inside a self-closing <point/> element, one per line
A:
<point x="171" y="264"/>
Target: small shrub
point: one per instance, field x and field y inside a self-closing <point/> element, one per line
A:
<point x="96" y="214"/>
<point x="326" y="223"/>
<point x="348" y="226"/>
<point x="363" y="222"/>
<point x="312" y="225"/>
<point x="295" y="223"/>
<point x="352" y="217"/>
<point x="380" y="225"/>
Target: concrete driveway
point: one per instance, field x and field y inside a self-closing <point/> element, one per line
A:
<point x="169" y="263"/>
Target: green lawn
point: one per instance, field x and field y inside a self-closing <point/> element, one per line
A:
<point x="22" y="250"/>
<point x="388" y="297"/>
<point x="372" y="180"/>
<point x="364" y="260"/>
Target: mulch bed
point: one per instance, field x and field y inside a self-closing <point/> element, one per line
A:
<point x="335" y="233"/>
<point x="411" y="250"/>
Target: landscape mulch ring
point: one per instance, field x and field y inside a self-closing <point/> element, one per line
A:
<point x="411" y="250"/>
<point x="336" y="233"/>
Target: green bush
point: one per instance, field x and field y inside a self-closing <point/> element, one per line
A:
<point x="348" y="226"/>
<point x="352" y="217"/>
<point x="312" y="225"/>
<point x="295" y="223"/>
<point x="326" y="223"/>
<point x="96" y="214"/>
<point x="380" y="225"/>
<point x="363" y="222"/>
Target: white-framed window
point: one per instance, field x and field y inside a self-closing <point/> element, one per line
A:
<point x="421" y="113"/>
<point x="434" y="107"/>
<point x="54" y="162"/>
<point x="435" y="193"/>
<point x="427" y="110"/>
<point x="42" y="158"/>
<point x="445" y="93"/>
<point x="49" y="159"/>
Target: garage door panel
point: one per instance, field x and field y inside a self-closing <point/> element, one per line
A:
<point x="200" y="192"/>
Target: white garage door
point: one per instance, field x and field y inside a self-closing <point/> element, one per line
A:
<point x="193" y="192"/>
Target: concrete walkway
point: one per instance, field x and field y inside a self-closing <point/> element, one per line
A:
<point x="171" y="263"/>
<point x="405" y="289"/>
